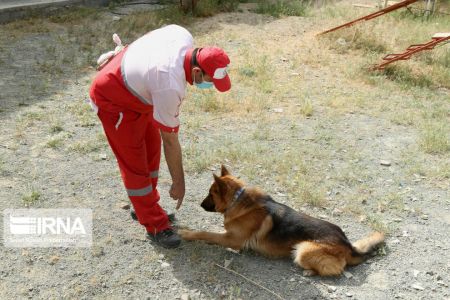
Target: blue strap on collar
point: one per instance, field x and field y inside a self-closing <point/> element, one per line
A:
<point x="238" y="194"/>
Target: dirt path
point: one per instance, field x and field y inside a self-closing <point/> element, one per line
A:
<point x="51" y="144"/>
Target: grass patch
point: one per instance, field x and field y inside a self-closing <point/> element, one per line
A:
<point x="207" y="8"/>
<point x="247" y="71"/>
<point x="207" y="101"/>
<point x="2" y="165"/>
<point x="310" y="194"/>
<point x="434" y="137"/>
<point x="306" y="108"/>
<point x="54" y="143"/>
<point x="359" y="38"/>
<point x="26" y="121"/>
<point x="391" y="202"/>
<point x="89" y="146"/>
<point x="264" y="78"/>
<point x="377" y="224"/>
<point x="86" y="117"/>
<point x="280" y="8"/>
<point x="74" y="15"/>
<point x="31" y="198"/>
<point x="406" y="76"/>
<point x="262" y="132"/>
<point x="56" y="127"/>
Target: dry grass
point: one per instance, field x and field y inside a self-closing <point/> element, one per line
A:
<point x="90" y="144"/>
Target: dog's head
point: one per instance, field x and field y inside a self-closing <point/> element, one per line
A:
<point x="221" y="192"/>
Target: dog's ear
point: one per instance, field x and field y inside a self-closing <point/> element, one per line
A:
<point x="224" y="171"/>
<point x="221" y="184"/>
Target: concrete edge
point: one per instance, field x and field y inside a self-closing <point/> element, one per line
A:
<point x="43" y="9"/>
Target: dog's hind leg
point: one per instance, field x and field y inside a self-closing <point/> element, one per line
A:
<point x="319" y="258"/>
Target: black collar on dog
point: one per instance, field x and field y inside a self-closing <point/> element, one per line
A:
<point x="236" y="197"/>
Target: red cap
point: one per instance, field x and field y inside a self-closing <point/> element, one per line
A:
<point x="214" y="61"/>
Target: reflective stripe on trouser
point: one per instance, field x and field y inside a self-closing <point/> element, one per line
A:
<point x="136" y="144"/>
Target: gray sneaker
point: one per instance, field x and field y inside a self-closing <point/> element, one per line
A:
<point x="133" y="215"/>
<point x="167" y="238"/>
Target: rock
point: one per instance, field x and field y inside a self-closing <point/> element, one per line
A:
<point x="53" y="260"/>
<point x="97" y="251"/>
<point x="347" y="275"/>
<point x="424" y="217"/>
<point x="341" y="42"/>
<point x="385" y="163"/>
<point x="442" y="283"/>
<point x="278" y="110"/>
<point x="124" y="205"/>
<point x="418" y="287"/>
<point x="165" y="265"/>
<point x="103" y="156"/>
<point x="415" y="273"/>
<point x="185" y="297"/>
<point x="116" y="18"/>
<point x="292" y="279"/>
<point x="331" y="289"/>
<point x="227" y="262"/>
<point x="232" y="250"/>
<point x="397" y="220"/>
<point x="336" y="211"/>
<point x="348" y="294"/>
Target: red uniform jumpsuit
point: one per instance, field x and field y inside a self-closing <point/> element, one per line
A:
<point x="135" y="141"/>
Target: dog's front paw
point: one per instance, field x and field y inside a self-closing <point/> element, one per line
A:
<point x="186" y="234"/>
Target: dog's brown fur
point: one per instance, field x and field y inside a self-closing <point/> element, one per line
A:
<point x="255" y="221"/>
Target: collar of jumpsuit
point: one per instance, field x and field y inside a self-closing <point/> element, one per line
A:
<point x="214" y="62"/>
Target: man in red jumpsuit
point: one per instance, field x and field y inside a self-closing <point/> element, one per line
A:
<point x="137" y="95"/>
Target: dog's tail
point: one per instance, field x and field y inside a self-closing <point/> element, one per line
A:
<point x="363" y="247"/>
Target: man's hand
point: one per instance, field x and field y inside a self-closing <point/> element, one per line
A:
<point x="172" y="152"/>
<point x="177" y="192"/>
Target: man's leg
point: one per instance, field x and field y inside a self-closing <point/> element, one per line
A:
<point x="153" y="146"/>
<point x="126" y="133"/>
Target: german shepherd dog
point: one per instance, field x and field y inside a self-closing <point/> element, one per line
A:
<point x="253" y="220"/>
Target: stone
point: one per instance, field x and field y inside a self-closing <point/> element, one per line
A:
<point x="53" y="260"/>
<point x="347" y="275"/>
<point x="227" y="262"/>
<point x="124" y="205"/>
<point x="385" y="163"/>
<point x="418" y="287"/>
